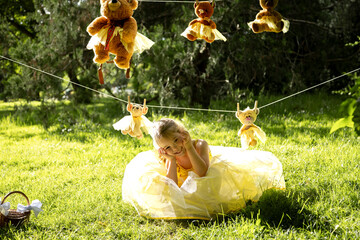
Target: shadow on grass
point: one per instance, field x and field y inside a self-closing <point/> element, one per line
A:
<point x="10" y="231"/>
<point x="275" y="209"/>
<point x="5" y="113"/>
<point x="283" y="209"/>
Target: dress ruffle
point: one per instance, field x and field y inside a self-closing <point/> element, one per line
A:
<point x="271" y="24"/>
<point x="142" y="43"/>
<point x="128" y="122"/>
<point x="203" y="31"/>
<point x="234" y="177"/>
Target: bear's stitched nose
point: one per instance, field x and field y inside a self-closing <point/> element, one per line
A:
<point x="113" y="1"/>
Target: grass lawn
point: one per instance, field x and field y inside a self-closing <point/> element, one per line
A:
<point x="72" y="160"/>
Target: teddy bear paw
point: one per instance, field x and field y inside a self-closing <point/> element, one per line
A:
<point x="280" y="26"/>
<point x="253" y="143"/>
<point x="124" y="132"/>
<point x="122" y="62"/>
<point x="256" y="28"/>
<point x="101" y="58"/>
<point x="191" y="37"/>
<point x="210" y="39"/>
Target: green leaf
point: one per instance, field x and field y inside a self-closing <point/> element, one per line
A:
<point x="341" y="123"/>
<point x="348" y="106"/>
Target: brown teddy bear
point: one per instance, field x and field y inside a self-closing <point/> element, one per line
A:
<point x="203" y="27"/>
<point x="268" y="19"/>
<point x="249" y="130"/>
<point x="135" y="124"/>
<point x="116" y="32"/>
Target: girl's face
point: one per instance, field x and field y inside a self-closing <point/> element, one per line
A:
<point x="173" y="144"/>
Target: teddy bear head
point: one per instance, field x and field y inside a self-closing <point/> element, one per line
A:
<point x="268" y="4"/>
<point x="247" y="116"/>
<point x="118" y="9"/>
<point x="136" y="110"/>
<point x="204" y="9"/>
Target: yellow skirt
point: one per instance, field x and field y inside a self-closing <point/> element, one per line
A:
<point x="141" y="44"/>
<point x="203" y="31"/>
<point x="234" y="177"/>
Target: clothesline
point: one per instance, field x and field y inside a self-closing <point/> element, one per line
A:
<point x="177" y="107"/>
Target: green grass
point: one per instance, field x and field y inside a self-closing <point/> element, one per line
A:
<point x="71" y="159"/>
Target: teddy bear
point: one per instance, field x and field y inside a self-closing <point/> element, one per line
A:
<point x="249" y="130"/>
<point x="136" y="123"/>
<point x="203" y="27"/>
<point x="115" y="32"/>
<point x="268" y="19"/>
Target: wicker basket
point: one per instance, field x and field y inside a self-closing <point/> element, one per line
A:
<point x="15" y="218"/>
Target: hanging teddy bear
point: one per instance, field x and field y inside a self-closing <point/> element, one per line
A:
<point x="203" y="27"/>
<point x="136" y="123"/>
<point x="268" y="19"/>
<point x="115" y="32"/>
<point x="249" y="130"/>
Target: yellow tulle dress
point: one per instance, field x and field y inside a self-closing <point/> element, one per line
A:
<point x="234" y="177"/>
<point x="203" y="31"/>
<point x="141" y="44"/>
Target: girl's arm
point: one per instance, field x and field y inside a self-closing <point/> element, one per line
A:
<point x="199" y="160"/>
<point x="171" y="167"/>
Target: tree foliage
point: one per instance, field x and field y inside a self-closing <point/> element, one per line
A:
<point x="51" y="35"/>
<point x="348" y="107"/>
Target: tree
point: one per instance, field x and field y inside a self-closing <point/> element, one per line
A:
<point x="348" y="107"/>
<point x="176" y="70"/>
<point x="56" y="45"/>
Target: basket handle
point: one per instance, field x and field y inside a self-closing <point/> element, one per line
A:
<point x="10" y="193"/>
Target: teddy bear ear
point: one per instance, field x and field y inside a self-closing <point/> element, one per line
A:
<point x="133" y="4"/>
<point x="238" y="111"/>
<point x="129" y="107"/>
<point x="257" y="111"/>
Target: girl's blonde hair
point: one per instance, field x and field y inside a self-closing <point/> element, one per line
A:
<point x="165" y="128"/>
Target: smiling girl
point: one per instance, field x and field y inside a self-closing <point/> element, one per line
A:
<point x="179" y="152"/>
<point x="188" y="179"/>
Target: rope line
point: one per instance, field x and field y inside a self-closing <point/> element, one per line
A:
<point x="307" y="89"/>
<point x="175" y="107"/>
<point x="52" y="75"/>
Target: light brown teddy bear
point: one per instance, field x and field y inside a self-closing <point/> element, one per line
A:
<point x="203" y="27"/>
<point x="268" y="19"/>
<point x="135" y="124"/>
<point x="116" y="32"/>
<point x="249" y="130"/>
<point x="115" y="13"/>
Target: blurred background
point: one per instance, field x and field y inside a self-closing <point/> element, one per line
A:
<point x="51" y="35"/>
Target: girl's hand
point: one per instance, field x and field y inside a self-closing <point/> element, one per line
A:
<point x="186" y="139"/>
<point x="162" y="153"/>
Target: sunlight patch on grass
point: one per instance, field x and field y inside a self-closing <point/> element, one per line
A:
<point x="77" y="174"/>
